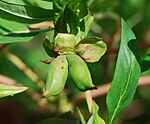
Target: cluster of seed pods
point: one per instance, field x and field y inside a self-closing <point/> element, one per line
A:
<point x="70" y="56"/>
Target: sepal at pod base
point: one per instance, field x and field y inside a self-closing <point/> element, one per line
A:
<point x="56" y="76"/>
<point x="49" y="47"/>
<point x="91" y="49"/>
<point x="80" y="73"/>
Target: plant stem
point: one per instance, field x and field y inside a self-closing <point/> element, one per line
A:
<point x="103" y="89"/>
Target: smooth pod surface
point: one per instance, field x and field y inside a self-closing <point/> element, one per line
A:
<point x="65" y="40"/>
<point x="79" y="72"/>
<point x="56" y="77"/>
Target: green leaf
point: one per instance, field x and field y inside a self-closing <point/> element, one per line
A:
<point x="83" y="11"/>
<point x="90" y="121"/>
<point x="79" y="21"/>
<point x="91" y="49"/>
<point x="79" y="7"/>
<point x="126" y="75"/>
<point x="58" y="121"/>
<point x="95" y="118"/>
<point x="95" y="108"/>
<point x="16" y="32"/>
<point x="40" y="3"/>
<point x="68" y="22"/>
<point x="24" y="13"/>
<point x="10" y="26"/>
<point x="7" y="90"/>
<point x="81" y="116"/>
<point x="85" y="25"/>
<point x="59" y="6"/>
<point x="20" y="2"/>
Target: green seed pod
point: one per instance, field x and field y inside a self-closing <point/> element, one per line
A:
<point x="65" y="40"/>
<point x="79" y="73"/>
<point x="56" y="77"/>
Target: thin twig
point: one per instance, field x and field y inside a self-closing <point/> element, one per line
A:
<point x="22" y="66"/>
<point x="103" y="89"/>
<point x="115" y="51"/>
<point x="43" y="104"/>
<point x="42" y="24"/>
<point x="9" y="81"/>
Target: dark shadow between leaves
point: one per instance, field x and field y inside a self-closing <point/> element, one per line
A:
<point x="145" y="64"/>
<point x="5" y="29"/>
<point x="132" y="44"/>
<point x="59" y="121"/>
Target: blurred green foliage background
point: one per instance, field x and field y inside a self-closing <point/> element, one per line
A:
<point x="28" y="108"/>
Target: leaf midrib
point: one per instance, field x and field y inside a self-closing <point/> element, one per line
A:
<point x="19" y="14"/>
<point x="121" y="96"/>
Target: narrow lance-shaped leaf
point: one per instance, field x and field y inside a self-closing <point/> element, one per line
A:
<point x="65" y="24"/>
<point x="7" y="90"/>
<point x="17" y="32"/>
<point x="47" y="4"/>
<point x="81" y="116"/>
<point x="59" y="6"/>
<point x="126" y="75"/>
<point x="24" y="13"/>
<point x="79" y="7"/>
<point x="85" y="25"/>
<point x="95" y="118"/>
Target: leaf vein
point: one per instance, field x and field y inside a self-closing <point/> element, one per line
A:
<point x="122" y="94"/>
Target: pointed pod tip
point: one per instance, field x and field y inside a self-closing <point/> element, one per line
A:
<point x="41" y="97"/>
<point x="44" y="95"/>
<point x="94" y="88"/>
<point x="91" y="88"/>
